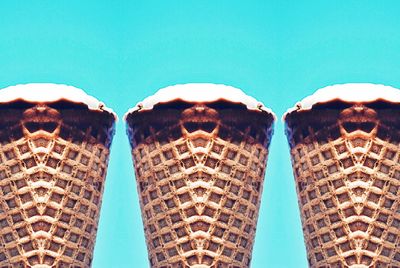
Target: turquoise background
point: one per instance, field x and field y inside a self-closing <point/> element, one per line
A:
<point x="122" y="51"/>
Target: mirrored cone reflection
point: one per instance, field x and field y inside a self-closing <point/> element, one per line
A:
<point x="345" y="156"/>
<point x="54" y="154"/>
<point x="200" y="168"/>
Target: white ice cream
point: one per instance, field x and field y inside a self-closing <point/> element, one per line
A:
<point x="351" y="93"/>
<point x="47" y="92"/>
<point x="201" y="93"/>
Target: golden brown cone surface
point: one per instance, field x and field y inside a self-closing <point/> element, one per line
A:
<point x="346" y="164"/>
<point x="53" y="162"/>
<point x="200" y="171"/>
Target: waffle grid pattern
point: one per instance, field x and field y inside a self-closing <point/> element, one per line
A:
<point x="348" y="197"/>
<point x="200" y="196"/>
<point x="50" y="195"/>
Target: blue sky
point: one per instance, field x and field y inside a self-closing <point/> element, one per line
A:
<point x="276" y="51"/>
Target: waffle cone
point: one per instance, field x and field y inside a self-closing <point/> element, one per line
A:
<point x="346" y="165"/>
<point x="53" y="165"/>
<point x="199" y="171"/>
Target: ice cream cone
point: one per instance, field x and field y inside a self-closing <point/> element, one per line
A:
<point x="344" y="145"/>
<point x="54" y="151"/>
<point x="200" y="153"/>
